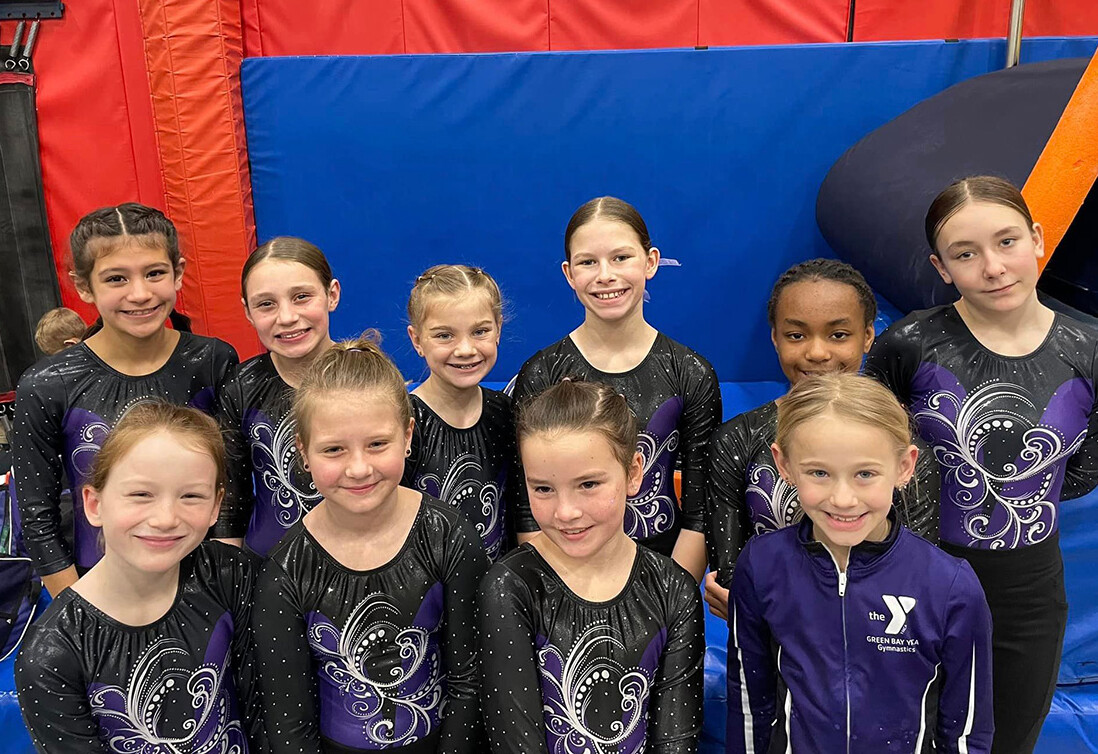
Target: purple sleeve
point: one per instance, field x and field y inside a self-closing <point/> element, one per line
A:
<point x="752" y="676"/>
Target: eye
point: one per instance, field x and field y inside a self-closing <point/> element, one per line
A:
<point x="1008" y="242"/>
<point x="794" y="336"/>
<point x="114" y="279"/>
<point x="195" y="497"/>
<point x="964" y="255"/>
<point x="263" y="305"/>
<point x="480" y="332"/>
<point x="866" y="474"/>
<point x="840" y="335"/>
<point x="590" y="484"/>
<point x="156" y="274"/>
<point x="443" y="336"/>
<point x="585" y="262"/>
<point x="303" y="297"/>
<point x="331" y="449"/>
<point x="817" y="473"/>
<point x="379" y="444"/>
<point x="542" y="489"/>
<point x="622" y="257"/>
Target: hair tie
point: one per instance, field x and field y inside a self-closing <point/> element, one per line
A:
<point x="356" y="349"/>
<point x="425" y="278"/>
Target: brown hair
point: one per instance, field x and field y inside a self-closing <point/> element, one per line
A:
<point x="852" y="397"/>
<point x="288" y="249"/>
<point x="109" y="227"/>
<point x="194" y="429"/>
<point x="606" y="208"/>
<point x="976" y="188"/>
<point x="576" y="406"/>
<point x="350" y="366"/>
<point x="57" y="326"/>
<point x="451" y="280"/>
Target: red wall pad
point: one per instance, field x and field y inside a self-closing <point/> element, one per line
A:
<point x="293" y="27"/>
<point x="193" y="50"/>
<point x="616" y="24"/>
<point x="476" y="25"/>
<point x="764" y="22"/>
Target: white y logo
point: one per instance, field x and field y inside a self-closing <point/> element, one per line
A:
<point x="899" y="607"/>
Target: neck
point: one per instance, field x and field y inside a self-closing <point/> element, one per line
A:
<point x="613" y="336"/>
<point x="342" y="524"/>
<point x="121" y="350"/>
<point x="458" y="401"/>
<point x="127" y="591"/>
<point x="595" y="567"/>
<point x="292" y="370"/>
<point x="1012" y="322"/>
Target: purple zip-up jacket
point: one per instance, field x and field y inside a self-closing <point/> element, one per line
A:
<point x="893" y="655"/>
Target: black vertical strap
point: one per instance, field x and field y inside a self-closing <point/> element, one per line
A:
<point x="850" y="22"/>
<point x="28" y="275"/>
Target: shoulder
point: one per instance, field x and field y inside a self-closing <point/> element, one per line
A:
<point x="196" y="347"/>
<point x="440" y="523"/>
<point x="911" y="328"/>
<point x="254" y="369"/>
<point x="496" y="401"/>
<point x="682" y="353"/>
<point x="518" y="574"/>
<point x="219" y="558"/>
<point x="769" y="546"/>
<point x="544" y="365"/>
<point x="758" y="423"/>
<point x="57" y="631"/>
<point x="288" y="552"/>
<point x="940" y="569"/>
<point x="661" y="575"/>
<point x="421" y="412"/>
<point x="52" y="371"/>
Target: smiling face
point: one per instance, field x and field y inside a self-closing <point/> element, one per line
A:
<point x="990" y="254"/>
<point x="289" y="306"/>
<point x="160" y="499"/>
<point x="133" y="286"/>
<point x="819" y="327"/>
<point x="845" y="473"/>
<point x="458" y="338"/>
<point x="577" y="488"/>
<point x="356" y="450"/>
<point x="608" y="268"/>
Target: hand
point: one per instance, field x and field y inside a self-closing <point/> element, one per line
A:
<point x="717" y="596"/>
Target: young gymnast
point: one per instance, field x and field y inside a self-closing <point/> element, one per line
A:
<point x="882" y="640"/>
<point x="288" y="292"/>
<point x="674" y="392"/>
<point x="367" y="604"/>
<point x="126" y="261"/>
<point x="821" y="315"/>
<point x="590" y="642"/>
<point x="463" y="438"/>
<point x="152" y="649"/>
<point x="1003" y="389"/>
<point x="58" y="329"/>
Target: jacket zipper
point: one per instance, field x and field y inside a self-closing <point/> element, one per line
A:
<point x="846" y="650"/>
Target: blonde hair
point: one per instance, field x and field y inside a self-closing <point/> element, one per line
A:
<point x="357" y="366"/>
<point x="57" y="326"/>
<point x="576" y="406"/>
<point x="852" y="397"/>
<point x="195" y="430"/>
<point x="451" y="280"/>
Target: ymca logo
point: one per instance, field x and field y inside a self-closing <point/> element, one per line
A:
<point x="899" y="608"/>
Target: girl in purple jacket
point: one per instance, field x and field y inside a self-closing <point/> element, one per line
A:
<point x="883" y="641"/>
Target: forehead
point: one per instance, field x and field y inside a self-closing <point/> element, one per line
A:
<point x="819" y="301"/>
<point x="840" y="440"/>
<point x="356" y="414"/>
<point x="147" y="454"/>
<point x="567" y="450"/>
<point x="275" y="274"/>
<point x="129" y="251"/>
<point x="601" y="233"/>
<point x="470" y="305"/>
<point x="976" y="218"/>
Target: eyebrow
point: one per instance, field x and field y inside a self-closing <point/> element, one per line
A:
<point x="831" y="323"/>
<point x="448" y="327"/>
<point x="1009" y="230"/>
<point x="113" y="270"/>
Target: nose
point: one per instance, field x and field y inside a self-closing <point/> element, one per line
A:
<point x="358" y="465"/>
<point x="817" y="350"/>
<point x="164" y="515"/>
<point x="993" y="265"/>
<point x="286" y="314"/>
<point x="605" y="271"/>
<point x="843" y="495"/>
<point x="139" y="289"/>
<point x="567" y="510"/>
<point x="464" y="347"/>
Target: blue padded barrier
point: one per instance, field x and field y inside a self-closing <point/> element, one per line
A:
<point x="393" y="163"/>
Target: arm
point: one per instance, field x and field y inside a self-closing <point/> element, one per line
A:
<point x="245" y="671"/>
<point x="37" y="444"/>
<point x="53" y="696"/>
<point x="965" y="716"/>
<point x="528" y="383"/>
<point x="675" y="707"/>
<point x="1081" y="474"/>
<point x="701" y="415"/>
<point x="752" y="676"/>
<point x="282" y="651"/>
<point x="918" y="505"/>
<point x="689" y="552"/>
<point x="726" y="498"/>
<point x="511" y="697"/>
<point x="465" y="565"/>
<point x="239" y="500"/>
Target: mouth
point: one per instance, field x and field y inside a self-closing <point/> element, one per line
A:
<point x="845" y="523"/>
<point x="293" y="336"/>
<point x="609" y="295"/>
<point x="463" y="367"/>
<point x="160" y="543"/>
<point x="141" y="313"/>
<point x="363" y="489"/>
<point x="1000" y="291"/>
<point x="574" y="534"/>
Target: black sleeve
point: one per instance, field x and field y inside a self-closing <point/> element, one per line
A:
<point x="225" y="360"/>
<point x="239" y="500"/>
<point x="528" y="384"/>
<point x="240" y="570"/>
<point x="726" y="503"/>
<point x="511" y="697"/>
<point x="464" y="566"/>
<point x="701" y="415"/>
<point x="919" y="504"/>
<point x="675" y="707"/>
<point x="37" y="442"/>
<point x="53" y="695"/>
<point x="287" y="678"/>
<point x="895" y="357"/>
<point x="1081" y="474"/>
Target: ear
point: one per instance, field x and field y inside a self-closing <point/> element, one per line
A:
<point x="566" y="268"/>
<point x="302" y="458"/>
<point x="71" y="341"/>
<point x="408" y="436"/>
<point x="781" y="460"/>
<point x="870" y="336"/>
<point x="939" y="265"/>
<point x="92" y="503"/>
<point x="1039" y="239"/>
<point x="179" y="273"/>
<point x="774" y="337"/>
<point x="83" y="288"/>
<point x="908" y="458"/>
<point x="247" y="312"/>
<point x="635" y="476"/>
<point x="333" y="295"/>
<point x="217" y="506"/>
<point x="413" y="335"/>
<point x="651" y="263"/>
